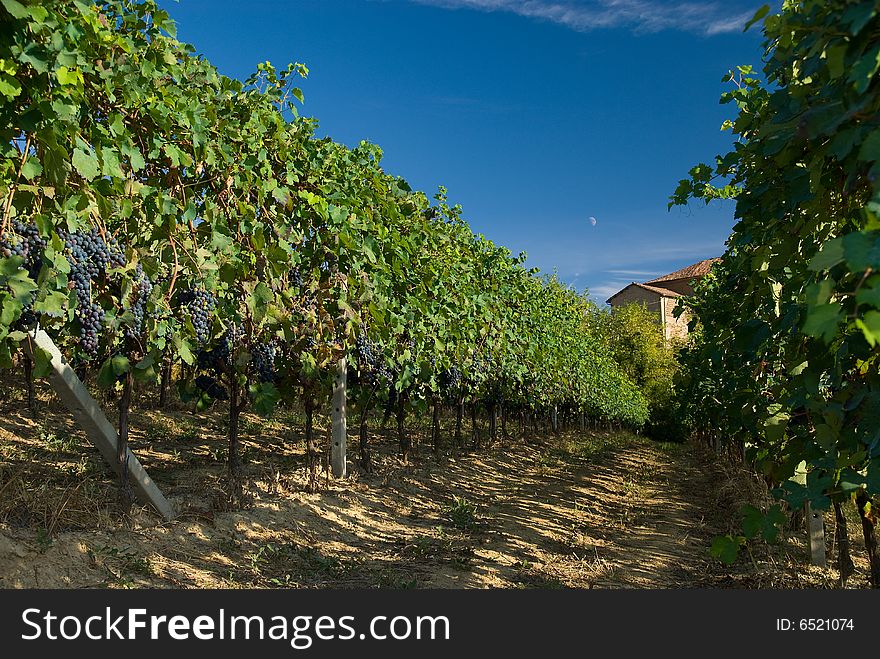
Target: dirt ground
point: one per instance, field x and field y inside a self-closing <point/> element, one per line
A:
<point x="601" y="509"/>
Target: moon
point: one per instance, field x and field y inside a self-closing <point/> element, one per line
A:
<point x="593" y="220"/>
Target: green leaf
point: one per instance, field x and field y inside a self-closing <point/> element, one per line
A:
<point x="120" y="364"/>
<point x="258" y="301"/>
<point x="800" y="368"/>
<point x="726" y="548"/>
<point x="264" y="397"/>
<point x="65" y="111"/>
<point x="820" y="292"/>
<point x="145" y="363"/>
<point x="220" y="241"/>
<point x="872" y="480"/>
<point x="761" y="13"/>
<point x="774" y="427"/>
<point x="10" y="310"/>
<point x="85" y="163"/>
<point x="6" y="360"/>
<point x="42" y="362"/>
<point x="822" y="321"/>
<point x="850" y="481"/>
<point x="9" y="86"/>
<point x="752" y="521"/>
<point x="861" y="250"/>
<point x="870" y="149"/>
<point x="69" y="76"/>
<point x="110" y="163"/>
<point x="184" y="351"/>
<point x="21" y="284"/>
<point x="830" y="255"/>
<point x="774" y="521"/>
<point x="52" y="305"/>
<point x="858" y="16"/>
<point x="116" y="125"/>
<point x="281" y="195"/>
<point x="10" y="265"/>
<point x="31" y="169"/>
<point x="135" y="157"/>
<point x="38" y="13"/>
<point x="15" y="8"/>
<point x="870" y="326"/>
<point x="189" y="214"/>
<point x="834" y="56"/>
<point x="766" y="524"/>
<point x="864" y="69"/>
<point x="869" y="295"/>
<point x="145" y="370"/>
<point x="106" y="376"/>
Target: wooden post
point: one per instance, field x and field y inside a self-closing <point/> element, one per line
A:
<point x="554" y="419"/>
<point x="92" y="420"/>
<point x="813" y="521"/>
<point x="583" y="422"/>
<point x="340" y="430"/>
<point x="816" y="531"/>
<point x="165" y="382"/>
<point x="29" y="382"/>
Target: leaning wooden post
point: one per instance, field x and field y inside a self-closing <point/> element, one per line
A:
<point x="340" y="431"/>
<point x="92" y="420"/>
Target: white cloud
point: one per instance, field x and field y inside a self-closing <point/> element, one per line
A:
<point x="731" y="24"/>
<point x="635" y="273"/>
<point x="603" y="291"/>
<point x="708" y="18"/>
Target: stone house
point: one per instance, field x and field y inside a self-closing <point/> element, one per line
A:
<point x="661" y="295"/>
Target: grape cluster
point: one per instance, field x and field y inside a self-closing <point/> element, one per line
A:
<point x="27" y="319"/>
<point x="12" y="246"/>
<point x="450" y="382"/>
<point x="90" y="256"/>
<point x="92" y="252"/>
<point x="90" y="317"/>
<point x="296" y="279"/>
<point x="479" y="365"/>
<point x="213" y="359"/>
<point x="212" y="387"/>
<point x="494" y="395"/>
<point x="199" y="304"/>
<point x="141" y="294"/>
<point x="263" y="360"/>
<point x="370" y="361"/>
<point x="24" y="241"/>
<point x="306" y="342"/>
<point x="219" y="358"/>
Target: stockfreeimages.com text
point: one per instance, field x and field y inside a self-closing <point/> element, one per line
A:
<point x="300" y="631"/>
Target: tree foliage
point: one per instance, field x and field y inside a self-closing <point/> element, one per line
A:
<point x="243" y="247"/>
<point x="787" y="364"/>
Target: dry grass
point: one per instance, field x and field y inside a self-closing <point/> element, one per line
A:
<point x="786" y="563"/>
<point x="575" y="511"/>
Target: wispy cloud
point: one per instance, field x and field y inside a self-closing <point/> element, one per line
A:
<point x="708" y="18"/>
<point x="640" y="264"/>
<point x="634" y="273"/>
<point x="605" y="290"/>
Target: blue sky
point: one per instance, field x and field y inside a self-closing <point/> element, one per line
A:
<point x="535" y="114"/>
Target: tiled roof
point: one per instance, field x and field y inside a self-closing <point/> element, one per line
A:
<point x="665" y="292"/>
<point x="691" y="272"/>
